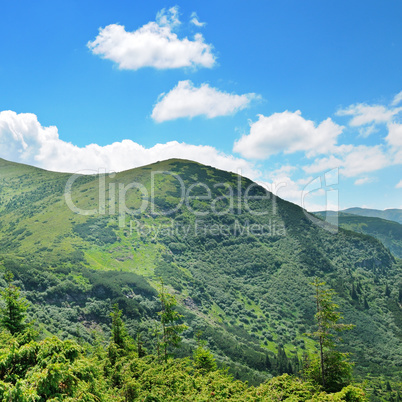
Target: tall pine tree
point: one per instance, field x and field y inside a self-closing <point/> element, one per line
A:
<point x="13" y="313"/>
<point x="171" y="329"/>
<point x="332" y="370"/>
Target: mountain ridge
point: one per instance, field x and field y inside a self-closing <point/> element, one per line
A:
<point x="240" y="281"/>
<point x="393" y="214"/>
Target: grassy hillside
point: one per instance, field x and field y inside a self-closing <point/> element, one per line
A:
<point x="387" y="231"/>
<point x="239" y="261"/>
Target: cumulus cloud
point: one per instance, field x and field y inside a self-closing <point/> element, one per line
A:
<point x="352" y="160"/>
<point x="194" y="20"/>
<point x="357" y="160"/>
<point x="287" y="132"/>
<point x="399" y="184"/>
<point x="366" y="114"/>
<point x="364" y="159"/>
<point x="153" y="45"/>
<point x="186" y="100"/>
<point x="23" y="139"/>
<point x="21" y="136"/>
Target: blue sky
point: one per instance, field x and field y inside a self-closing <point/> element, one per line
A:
<point x="283" y="91"/>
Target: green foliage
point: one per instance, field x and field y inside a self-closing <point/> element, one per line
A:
<point x="288" y="388"/>
<point x="203" y="358"/>
<point x="47" y="370"/>
<point x="331" y="369"/>
<point x="12" y="315"/>
<point x="337" y="369"/>
<point x="382" y="227"/>
<point x="119" y="333"/>
<point x="169" y="317"/>
<point x="380" y="389"/>
<point x="97" y="231"/>
<point x="56" y="370"/>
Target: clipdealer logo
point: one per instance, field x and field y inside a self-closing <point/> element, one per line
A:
<point x="113" y="199"/>
<point x="326" y="185"/>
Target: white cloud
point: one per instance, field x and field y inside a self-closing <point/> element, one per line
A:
<point x="287" y="132"/>
<point x="363" y="180"/>
<point x="394" y="139"/>
<point x="153" y="45"/>
<point x="366" y="131"/>
<point x="352" y="161"/>
<point x="357" y="160"/>
<point x="283" y="171"/>
<point x="323" y="164"/>
<point x="365" y="114"/>
<point x="194" y="20"/>
<point x="23" y="139"/>
<point x="364" y="159"/>
<point x="397" y="99"/>
<point x="186" y="100"/>
<point x="399" y="184"/>
<point x="283" y="186"/>
<point x="169" y="18"/>
<point x="305" y="192"/>
<point x="21" y="136"/>
<point x="319" y="203"/>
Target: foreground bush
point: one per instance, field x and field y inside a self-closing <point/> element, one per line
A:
<point x="55" y="370"/>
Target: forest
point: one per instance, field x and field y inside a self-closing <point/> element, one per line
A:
<point x="121" y="369"/>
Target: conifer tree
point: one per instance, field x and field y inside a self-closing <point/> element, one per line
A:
<point x="171" y="329"/>
<point x="141" y="351"/>
<point x="119" y="333"/>
<point x="13" y="313"/>
<point x="203" y="358"/>
<point x="333" y="370"/>
<point x="119" y="341"/>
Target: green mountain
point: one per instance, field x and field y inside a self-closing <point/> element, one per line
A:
<point x="388" y="214"/>
<point x="239" y="260"/>
<point x="387" y="231"/>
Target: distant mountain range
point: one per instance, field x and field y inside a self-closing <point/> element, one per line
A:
<point x="389" y="232"/>
<point x="239" y="260"/>
<point x="393" y="214"/>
